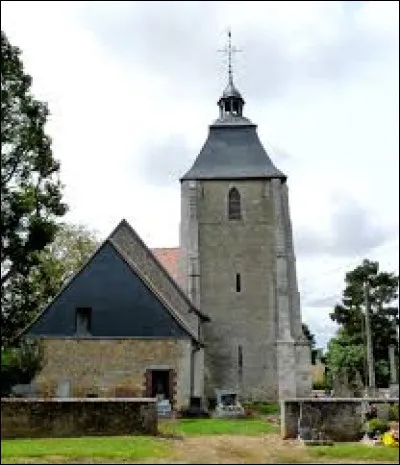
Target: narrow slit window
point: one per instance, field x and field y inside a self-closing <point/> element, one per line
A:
<point x="83" y="321"/>
<point x="234" y="208"/>
<point x="238" y="282"/>
<point x="240" y="357"/>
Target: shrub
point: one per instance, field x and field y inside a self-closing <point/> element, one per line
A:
<point x="261" y="408"/>
<point x="377" y="426"/>
<point x="19" y="365"/>
<point x="319" y="385"/>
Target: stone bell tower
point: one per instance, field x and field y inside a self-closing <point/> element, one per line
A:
<point x="238" y="263"/>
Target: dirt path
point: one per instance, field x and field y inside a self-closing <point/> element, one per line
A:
<point x="244" y="449"/>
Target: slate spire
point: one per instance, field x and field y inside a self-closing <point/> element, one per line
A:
<point x="233" y="149"/>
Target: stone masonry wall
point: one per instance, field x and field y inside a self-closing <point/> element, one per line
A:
<point x="27" y="418"/>
<point x="339" y="419"/>
<point x="108" y="368"/>
<point x="242" y="320"/>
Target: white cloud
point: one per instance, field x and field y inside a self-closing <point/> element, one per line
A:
<point x="124" y="79"/>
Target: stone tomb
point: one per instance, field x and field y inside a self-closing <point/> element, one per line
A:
<point x="228" y="404"/>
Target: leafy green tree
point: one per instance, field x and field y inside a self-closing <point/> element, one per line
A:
<point x="27" y="295"/>
<point x="19" y="364"/>
<point x="348" y="349"/>
<point x="311" y="339"/>
<point x="31" y="193"/>
<point x="309" y="335"/>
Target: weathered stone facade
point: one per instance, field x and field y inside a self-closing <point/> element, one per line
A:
<point x="263" y="319"/>
<point x="109" y="368"/>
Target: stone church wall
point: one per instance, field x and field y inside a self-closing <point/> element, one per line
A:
<point x="242" y="321"/>
<point x="111" y="368"/>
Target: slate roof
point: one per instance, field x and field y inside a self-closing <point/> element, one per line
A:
<point x="233" y="150"/>
<point x="167" y="261"/>
<point x="43" y="316"/>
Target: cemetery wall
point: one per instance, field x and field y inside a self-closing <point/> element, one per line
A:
<point x="28" y="418"/>
<point x="340" y="419"/>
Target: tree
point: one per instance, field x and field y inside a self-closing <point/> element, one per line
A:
<point x="311" y="339"/>
<point x="309" y="335"/>
<point x="27" y="295"/>
<point x="31" y="193"/>
<point x="348" y="349"/>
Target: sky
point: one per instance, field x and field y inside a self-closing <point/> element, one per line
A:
<point x="132" y="88"/>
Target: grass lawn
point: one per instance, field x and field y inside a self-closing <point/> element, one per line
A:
<point x="216" y="426"/>
<point x="120" y="447"/>
<point x="356" y="452"/>
<point x="211" y="440"/>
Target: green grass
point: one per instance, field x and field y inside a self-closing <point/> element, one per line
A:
<point x="356" y="452"/>
<point x="215" y="426"/>
<point x="263" y="408"/>
<point x="121" y="447"/>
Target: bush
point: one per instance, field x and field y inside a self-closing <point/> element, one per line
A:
<point x="394" y="412"/>
<point x="19" y="365"/>
<point x="319" y="385"/>
<point x="377" y="426"/>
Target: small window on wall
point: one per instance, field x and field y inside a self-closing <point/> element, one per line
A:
<point x="83" y="321"/>
<point x="234" y="208"/>
<point x="238" y="282"/>
<point x="240" y="357"/>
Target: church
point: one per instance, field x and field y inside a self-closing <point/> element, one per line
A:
<point x="222" y="311"/>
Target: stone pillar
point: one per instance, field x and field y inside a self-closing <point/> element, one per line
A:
<point x="303" y="368"/>
<point x="302" y="347"/>
<point x="285" y="342"/>
<point x="293" y="291"/>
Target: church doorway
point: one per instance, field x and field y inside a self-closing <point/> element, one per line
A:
<point x="159" y="384"/>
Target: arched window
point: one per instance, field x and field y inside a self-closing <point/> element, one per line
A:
<point x="234" y="212"/>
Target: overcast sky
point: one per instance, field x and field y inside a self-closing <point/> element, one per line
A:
<point x="133" y="86"/>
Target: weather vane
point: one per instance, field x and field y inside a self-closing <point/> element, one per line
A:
<point x="230" y="50"/>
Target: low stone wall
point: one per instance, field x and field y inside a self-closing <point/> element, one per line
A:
<point x="340" y="419"/>
<point x="29" y="418"/>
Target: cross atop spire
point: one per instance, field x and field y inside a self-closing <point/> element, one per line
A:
<point x="231" y="103"/>
<point x="229" y="50"/>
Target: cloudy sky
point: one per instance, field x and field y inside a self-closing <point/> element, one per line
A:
<point x="133" y="86"/>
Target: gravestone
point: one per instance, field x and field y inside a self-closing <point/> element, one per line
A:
<point x="24" y="390"/>
<point x="358" y="385"/>
<point x="228" y="404"/>
<point x="63" y="388"/>
<point x="164" y="408"/>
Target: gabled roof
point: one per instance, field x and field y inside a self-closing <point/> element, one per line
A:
<point x="109" y="240"/>
<point x="178" y="289"/>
